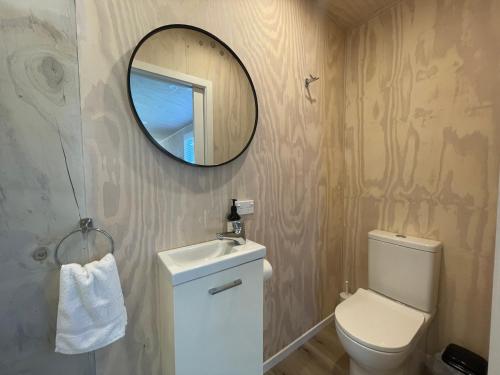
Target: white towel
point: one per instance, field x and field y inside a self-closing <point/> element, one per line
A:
<point x="91" y="312"/>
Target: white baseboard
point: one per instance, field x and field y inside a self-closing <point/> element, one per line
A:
<point x="294" y="345"/>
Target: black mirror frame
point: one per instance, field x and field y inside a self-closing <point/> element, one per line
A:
<point x="137" y="118"/>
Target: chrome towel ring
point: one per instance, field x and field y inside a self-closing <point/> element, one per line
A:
<point x="86" y="225"/>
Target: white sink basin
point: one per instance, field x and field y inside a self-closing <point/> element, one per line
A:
<point x="195" y="261"/>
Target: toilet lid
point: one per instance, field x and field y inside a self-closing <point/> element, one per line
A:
<point x="378" y="322"/>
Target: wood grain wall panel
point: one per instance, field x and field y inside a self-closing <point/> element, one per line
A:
<point x="349" y="14"/>
<point x="196" y="54"/>
<point x="422" y="139"/>
<point x="38" y="100"/>
<point x="293" y="169"/>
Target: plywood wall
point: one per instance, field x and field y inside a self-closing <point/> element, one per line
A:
<point x="39" y="109"/>
<point x="352" y="13"/>
<point x="293" y="169"/>
<point x="422" y="140"/>
<point x="191" y="52"/>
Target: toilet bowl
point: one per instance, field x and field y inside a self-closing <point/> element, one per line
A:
<point x="378" y="334"/>
<point x="381" y="327"/>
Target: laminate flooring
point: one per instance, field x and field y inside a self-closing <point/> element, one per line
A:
<point x="322" y="355"/>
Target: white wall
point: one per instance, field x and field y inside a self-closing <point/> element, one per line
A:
<point x="494" y="365"/>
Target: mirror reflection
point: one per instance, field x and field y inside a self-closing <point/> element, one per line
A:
<point x="192" y="96"/>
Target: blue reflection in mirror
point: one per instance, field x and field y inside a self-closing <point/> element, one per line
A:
<point x="165" y="108"/>
<point x="189" y="147"/>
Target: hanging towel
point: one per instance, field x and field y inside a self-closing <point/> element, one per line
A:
<point x="91" y="312"/>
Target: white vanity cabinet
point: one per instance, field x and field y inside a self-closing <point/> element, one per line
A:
<point x="212" y="325"/>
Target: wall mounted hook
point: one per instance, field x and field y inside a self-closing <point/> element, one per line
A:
<point x="310" y="80"/>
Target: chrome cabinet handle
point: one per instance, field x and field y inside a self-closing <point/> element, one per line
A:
<point x="224" y="287"/>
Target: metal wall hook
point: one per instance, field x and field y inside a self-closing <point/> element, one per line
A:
<point x="310" y="80"/>
<point x="86" y="224"/>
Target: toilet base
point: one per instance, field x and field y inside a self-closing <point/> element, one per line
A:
<point x="412" y="366"/>
<point x="355" y="369"/>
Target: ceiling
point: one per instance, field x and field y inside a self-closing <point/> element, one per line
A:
<point x="350" y="13"/>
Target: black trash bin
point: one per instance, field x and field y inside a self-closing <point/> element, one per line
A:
<point x="464" y="360"/>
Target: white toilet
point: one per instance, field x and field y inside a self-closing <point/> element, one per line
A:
<point x="381" y="327"/>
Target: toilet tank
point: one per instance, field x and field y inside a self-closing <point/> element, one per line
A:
<point x="404" y="268"/>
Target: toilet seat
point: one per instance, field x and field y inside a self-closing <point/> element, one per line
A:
<point x="379" y="323"/>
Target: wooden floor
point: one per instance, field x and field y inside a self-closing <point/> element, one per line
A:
<point x="322" y="355"/>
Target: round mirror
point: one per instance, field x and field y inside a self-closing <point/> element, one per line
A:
<point x="192" y="96"/>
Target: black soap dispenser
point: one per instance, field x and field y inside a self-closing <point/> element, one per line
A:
<point x="233" y="215"/>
